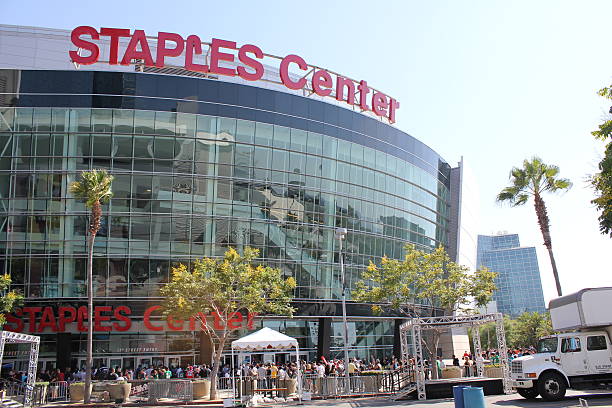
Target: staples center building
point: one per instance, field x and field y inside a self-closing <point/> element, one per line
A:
<point x="212" y="145"/>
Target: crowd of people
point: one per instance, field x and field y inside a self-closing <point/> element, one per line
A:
<point x="271" y="370"/>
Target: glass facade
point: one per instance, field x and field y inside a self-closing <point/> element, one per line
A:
<point x="201" y="166"/>
<point x="519" y="287"/>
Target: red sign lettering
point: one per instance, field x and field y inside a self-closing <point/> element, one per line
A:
<point x="223" y="51"/>
<point x="109" y="319"/>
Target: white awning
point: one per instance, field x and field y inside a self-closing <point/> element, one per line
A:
<point x="265" y="339"/>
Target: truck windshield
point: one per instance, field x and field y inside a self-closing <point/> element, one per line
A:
<point x="547" y="345"/>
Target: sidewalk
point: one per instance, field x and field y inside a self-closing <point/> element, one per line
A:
<point x="513" y="400"/>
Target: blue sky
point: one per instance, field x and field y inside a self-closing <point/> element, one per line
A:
<point x="492" y="81"/>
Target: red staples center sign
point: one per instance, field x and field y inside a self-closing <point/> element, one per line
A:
<point x="114" y="319"/>
<point x="246" y="57"/>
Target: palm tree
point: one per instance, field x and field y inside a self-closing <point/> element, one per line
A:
<point x="95" y="189"/>
<point x="533" y="179"/>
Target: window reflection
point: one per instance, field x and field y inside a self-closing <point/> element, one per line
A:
<point x="188" y="186"/>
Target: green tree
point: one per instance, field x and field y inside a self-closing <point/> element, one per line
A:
<point x="95" y="189"/>
<point x="422" y="282"/>
<point x="226" y="286"/>
<point x="530" y="326"/>
<point x="488" y="336"/>
<point x="602" y="181"/>
<point x="8" y="298"/>
<point x="534" y="179"/>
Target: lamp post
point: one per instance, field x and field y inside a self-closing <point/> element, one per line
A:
<point x="340" y="235"/>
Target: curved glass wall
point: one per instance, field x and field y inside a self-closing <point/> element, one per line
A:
<point x="191" y="185"/>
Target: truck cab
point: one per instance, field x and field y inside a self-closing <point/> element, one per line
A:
<point x="579" y="359"/>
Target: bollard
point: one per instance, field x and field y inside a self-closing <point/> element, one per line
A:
<point x="458" y="395"/>
<point x="473" y="397"/>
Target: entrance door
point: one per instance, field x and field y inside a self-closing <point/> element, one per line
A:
<point x="116" y="362"/>
<point x="144" y="362"/>
<point x="573" y="358"/>
<point x="128" y="363"/>
<point x="173" y="362"/>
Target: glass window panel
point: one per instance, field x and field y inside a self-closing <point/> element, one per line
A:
<point x="43" y="147"/>
<point x="144" y="122"/>
<point x="143" y="147"/>
<point x="264" y="134"/>
<point x="344" y="150"/>
<point x="204" y="151"/>
<point x="206" y="127"/>
<point x="245" y="131"/>
<point x="102" y="120"/>
<point x="60" y="119"/>
<point x="123" y="121"/>
<point x="315" y="141"/>
<point x="83" y="145"/>
<point x="282" y="137"/>
<point x="185" y="124"/>
<point x="42" y="120"/>
<point x="165" y="123"/>
<point x="140" y="228"/>
<point x="141" y="192"/>
<point x="101" y="145"/>
<point x="80" y="120"/>
<point x="164" y="148"/>
<point x="298" y="140"/>
<point x="23" y="119"/>
<point x="117" y="277"/>
<point x="122" y="145"/>
<point x="226" y="129"/>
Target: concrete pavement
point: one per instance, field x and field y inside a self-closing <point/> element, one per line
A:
<point x="493" y="401"/>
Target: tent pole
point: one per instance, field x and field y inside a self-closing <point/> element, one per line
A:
<point x="233" y="374"/>
<point x="299" y="373"/>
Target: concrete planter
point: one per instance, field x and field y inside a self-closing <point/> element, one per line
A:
<point x="119" y="391"/>
<point x="201" y="389"/>
<point x="493" y="372"/>
<point x="77" y="392"/>
<point x="291" y="385"/>
<point x="451" y="372"/>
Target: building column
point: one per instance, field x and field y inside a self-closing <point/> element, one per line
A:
<point x="63" y="351"/>
<point x="397" y="348"/>
<point x="324" y="338"/>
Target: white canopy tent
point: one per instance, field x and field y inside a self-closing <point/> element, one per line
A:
<point x="267" y="339"/>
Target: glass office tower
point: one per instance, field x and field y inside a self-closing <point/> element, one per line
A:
<point x="519" y="286"/>
<point x="200" y="165"/>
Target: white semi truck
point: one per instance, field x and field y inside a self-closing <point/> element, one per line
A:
<point x="579" y="358"/>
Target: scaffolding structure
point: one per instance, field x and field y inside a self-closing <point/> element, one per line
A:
<point x="414" y="327"/>
<point x="34" y="341"/>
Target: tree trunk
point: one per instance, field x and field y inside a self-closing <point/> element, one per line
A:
<point x="94" y="227"/>
<point x="217" y="352"/>
<point x="543" y="221"/>
<point x="436" y="343"/>
<point x="89" y="361"/>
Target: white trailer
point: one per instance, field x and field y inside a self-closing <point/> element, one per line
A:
<point x="580" y="357"/>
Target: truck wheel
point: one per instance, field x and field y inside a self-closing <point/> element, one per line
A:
<point x="529" y="393"/>
<point x="551" y="386"/>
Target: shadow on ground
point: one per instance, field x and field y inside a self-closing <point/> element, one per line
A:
<point x="594" y="400"/>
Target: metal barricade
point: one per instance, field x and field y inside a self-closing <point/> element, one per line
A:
<point x="57" y="391"/>
<point x="224" y="383"/>
<point x="175" y="389"/>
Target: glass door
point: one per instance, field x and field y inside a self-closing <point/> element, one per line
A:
<point x="144" y="362"/>
<point x="173" y="362"/>
<point x="115" y="362"/>
<point x="128" y="363"/>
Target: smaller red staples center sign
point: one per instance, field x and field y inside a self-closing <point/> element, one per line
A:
<point x="247" y="57"/>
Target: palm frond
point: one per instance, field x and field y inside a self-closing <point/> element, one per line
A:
<point x="93" y="186"/>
